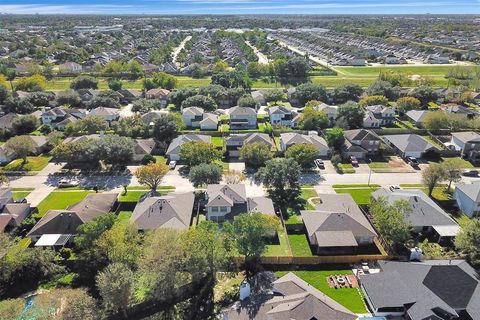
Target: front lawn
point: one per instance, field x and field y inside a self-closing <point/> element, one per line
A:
<point x="134" y="196"/>
<point x="32" y="164"/>
<point x="307" y="194"/>
<point x="300" y="246"/>
<point x="462" y="163"/>
<point x="346" y="168"/>
<point x="350" y="298"/>
<point x="21" y="193"/>
<point x="58" y="200"/>
<point x="361" y="196"/>
<point x="353" y="186"/>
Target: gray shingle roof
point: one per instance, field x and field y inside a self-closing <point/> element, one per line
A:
<point x="410" y="143"/>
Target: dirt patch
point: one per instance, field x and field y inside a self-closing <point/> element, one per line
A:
<point x="396" y="163"/>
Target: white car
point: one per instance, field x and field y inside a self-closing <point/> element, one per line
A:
<point x="172" y="165"/>
<point x="65" y="183"/>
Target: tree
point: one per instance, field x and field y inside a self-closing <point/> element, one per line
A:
<point x="453" y="171"/>
<point x="303" y="153"/>
<point x="79" y="305"/>
<point x="405" y="104"/>
<point x="390" y="220"/>
<point x="347" y="92"/>
<point x="352" y="114"/>
<point x="106" y="99"/>
<point x="116" y="286"/>
<point x="84" y="82"/>
<point x="431" y="176"/>
<point x="232" y="79"/>
<point x="151" y="174"/>
<point x="90" y="231"/>
<point x="468" y="241"/>
<point x="373" y="101"/>
<point x="164" y="80"/>
<point x="220" y="66"/>
<point x="41" y="98"/>
<point x="246" y="101"/>
<point x="441" y="120"/>
<point x="233" y="177"/>
<point x="205" y="102"/>
<point x="119" y="244"/>
<point x="166" y="128"/>
<point x="274" y="95"/>
<point x="145" y="105"/>
<point x="255" y="154"/>
<point x="18" y="105"/>
<point x="115" y="84"/>
<point x="205" y="174"/>
<point x="309" y="91"/>
<point x="335" y="138"/>
<point x="198" y="152"/>
<point x="250" y="233"/>
<point x="295" y="68"/>
<point x="179" y="95"/>
<point x="30" y="84"/>
<point x="310" y="119"/>
<point x="281" y="177"/>
<point x="3" y="94"/>
<point x="425" y="94"/>
<point x="69" y="98"/>
<point x="383" y="88"/>
<point x="131" y="127"/>
<point x="90" y="125"/>
<point x="25" y="124"/>
<point x="21" y="146"/>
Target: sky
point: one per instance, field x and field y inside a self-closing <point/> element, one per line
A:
<point x="240" y="6"/>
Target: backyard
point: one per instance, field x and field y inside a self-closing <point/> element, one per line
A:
<point x="300" y="246"/>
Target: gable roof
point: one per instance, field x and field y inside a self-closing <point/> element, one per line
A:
<point x="279" y="110"/>
<point x="417" y="115"/>
<point x="361" y="134"/>
<point x="242" y="111"/>
<point x="471" y="190"/>
<point x="6" y="121"/>
<point x="228" y="194"/>
<point x="174" y="146"/>
<point x="195" y="111"/>
<point x="467" y="136"/>
<point x="171" y="211"/>
<point x="410" y="143"/>
<point x="144" y="146"/>
<point x="425" y="287"/>
<point x="291" y="138"/>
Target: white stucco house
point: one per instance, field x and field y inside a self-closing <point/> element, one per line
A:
<point x="468" y="198"/>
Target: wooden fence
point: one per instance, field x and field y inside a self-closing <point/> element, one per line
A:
<point x="323" y="259"/>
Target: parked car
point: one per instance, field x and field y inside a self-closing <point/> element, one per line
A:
<point x="353" y="161"/>
<point x="394" y="187"/>
<point x="319" y="163"/>
<point x="65" y="183"/>
<point x="470" y="173"/>
<point x="172" y="164"/>
<point x="412" y="161"/>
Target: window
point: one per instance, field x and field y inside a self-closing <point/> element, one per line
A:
<point x="214" y="209"/>
<point x="223" y="209"/>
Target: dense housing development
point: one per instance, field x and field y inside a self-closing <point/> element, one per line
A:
<point x="307" y="167"/>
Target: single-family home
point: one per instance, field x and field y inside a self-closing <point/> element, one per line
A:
<point x="337" y="226"/>
<point x="292" y="97"/>
<point x="259" y="97"/>
<point x="410" y="145"/>
<point x="360" y="143"/>
<point x="235" y="141"/>
<point x="434" y="289"/>
<point x="58" y="226"/>
<point x="159" y="94"/>
<point x="11" y="213"/>
<point x="242" y="118"/>
<point x="282" y="116"/>
<point x="129" y="95"/>
<point x="109" y="114"/>
<point x="376" y="116"/>
<point x="417" y="117"/>
<point x="453" y="108"/>
<point x="288" y="297"/>
<point x="142" y="148"/>
<point x="173" y="151"/>
<point x="468" y="142"/>
<point x="467" y="196"/>
<point x="150" y="117"/>
<point x="292" y="138"/>
<point x="225" y="201"/>
<point x="330" y="111"/>
<point x="6" y="123"/>
<point x="70" y="67"/>
<point x="425" y="216"/>
<point x="173" y="211"/>
<point x="196" y="117"/>
<point x="437" y="59"/>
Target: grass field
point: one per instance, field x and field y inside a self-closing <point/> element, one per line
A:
<point x="299" y="245"/>
<point x="33" y="164"/>
<point x="350" y="298"/>
<point x="58" y="200"/>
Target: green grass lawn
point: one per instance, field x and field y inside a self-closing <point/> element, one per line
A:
<point x="299" y="245"/>
<point x="123" y="216"/>
<point x="307" y="194"/>
<point x="462" y="219"/>
<point x="134" y="196"/>
<point x="457" y="161"/>
<point x="360" y="196"/>
<point x="58" y="200"/>
<point x="350" y="298"/>
<point x="217" y="142"/>
<point x="427" y="70"/>
<point x="33" y="164"/>
<point x="346" y="168"/>
<point x="439" y="192"/>
<point x="359" y="185"/>
<point x="280" y="250"/>
<point x="294" y="219"/>
<point x="160" y="159"/>
<point x="20" y="193"/>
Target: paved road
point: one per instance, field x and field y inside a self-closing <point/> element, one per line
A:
<point x="178" y="49"/>
<point x="262" y="59"/>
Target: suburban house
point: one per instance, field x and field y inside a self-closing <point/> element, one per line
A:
<point x="150" y="117"/>
<point x="129" y="95"/>
<point x="11" y="213"/>
<point x="376" y="116"/>
<point x="159" y="94"/>
<point x="291" y="138"/>
<point x="6" y="155"/>
<point x="453" y="108"/>
<point x="259" y="97"/>
<point x="337" y="226"/>
<point x="292" y="97"/>
<point x="417" y="117"/>
<point x="70" y="67"/>
<point x="6" y="123"/>
<point x="235" y="141"/>
<point x="225" y="201"/>
<point x="437" y="59"/>
<point x="142" y="148"/>
<point x="360" y="143"/>
<point x="173" y="151"/>
<point x="434" y="289"/>
<point x="289" y="297"/>
<point x="282" y="116"/>
<point x="242" y="118"/>
<point x="409" y="145"/>
<point x="173" y="211"/>
<point x="196" y="117"/>
<point x="109" y="114"/>
<point x="330" y="111"/>
<point x="468" y="142"/>
<point x="59" y="117"/>
<point x="426" y="216"/>
<point x="468" y="198"/>
<point x="56" y="227"/>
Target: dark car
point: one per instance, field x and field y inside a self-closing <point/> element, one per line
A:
<point x="353" y="161"/>
<point x="470" y="173"/>
<point x="319" y="163"/>
<point x="412" y="161"/>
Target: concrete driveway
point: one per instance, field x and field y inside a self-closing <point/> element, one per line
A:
<point x="238" y="166"/>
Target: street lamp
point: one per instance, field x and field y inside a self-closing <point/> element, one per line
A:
<point x="370" y="172"/>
